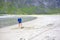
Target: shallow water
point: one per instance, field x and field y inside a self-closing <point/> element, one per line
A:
<point x="13" y="20"/>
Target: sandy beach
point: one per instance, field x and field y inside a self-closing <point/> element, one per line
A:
<point x="44" y="27"/>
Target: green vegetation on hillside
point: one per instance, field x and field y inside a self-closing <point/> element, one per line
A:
<point x="9" y="8"/>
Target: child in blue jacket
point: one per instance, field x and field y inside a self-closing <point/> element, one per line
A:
<point x="20" y="22"/>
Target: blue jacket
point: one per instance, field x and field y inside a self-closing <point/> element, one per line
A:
<point x="19" y="20"/>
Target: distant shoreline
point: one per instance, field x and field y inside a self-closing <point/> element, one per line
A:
<point x="12" y="20"/>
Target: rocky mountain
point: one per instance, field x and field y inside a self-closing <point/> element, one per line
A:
<point x="46" y="3"/>
<point x="37" y="5"/>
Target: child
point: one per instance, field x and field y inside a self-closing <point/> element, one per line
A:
<point x="20" y="22"/>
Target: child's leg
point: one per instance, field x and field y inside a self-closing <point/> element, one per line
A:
<point x="20" y="25"/>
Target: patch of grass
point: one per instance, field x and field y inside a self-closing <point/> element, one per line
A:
<point x="53" y="11"/>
